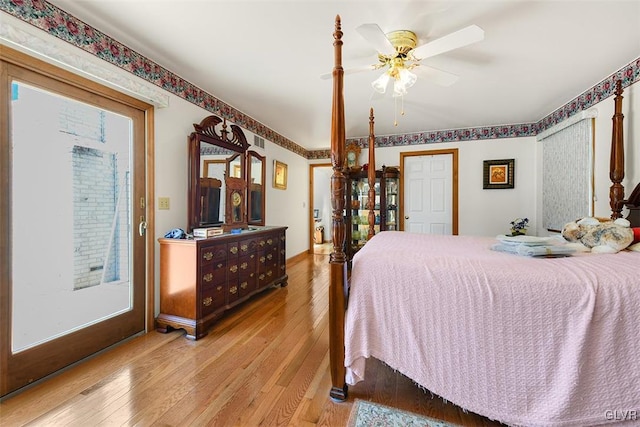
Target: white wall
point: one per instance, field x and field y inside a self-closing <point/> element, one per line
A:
<point x="482" y="212"/>
<point x="289" y="207"/>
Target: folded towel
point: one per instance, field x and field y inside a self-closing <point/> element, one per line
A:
<point x="534" y="251"/>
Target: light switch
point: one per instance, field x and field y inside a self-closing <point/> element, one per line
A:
<point x="163" y="203"/>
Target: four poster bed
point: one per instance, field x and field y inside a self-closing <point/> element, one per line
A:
<point x="521" y="340"/>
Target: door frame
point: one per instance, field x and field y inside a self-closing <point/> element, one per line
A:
<point x="311" y="197"/>
<point x="454" y="182"/>
<point x="11" y="56"/>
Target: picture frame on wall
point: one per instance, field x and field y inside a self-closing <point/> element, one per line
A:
<point x="279" y="175"/>
<point x="498" y="174"/>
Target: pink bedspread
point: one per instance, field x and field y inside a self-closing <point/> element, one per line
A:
<point x="525" y="341"/>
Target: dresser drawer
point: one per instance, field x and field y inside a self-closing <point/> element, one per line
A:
<point x="247" y="246"/>
<point x="213" y="253"/>
<point x="233" y="249"/>
<point x="248" y="283"/>
<point x="213" y="274"/>
<point x="212" y="299"/>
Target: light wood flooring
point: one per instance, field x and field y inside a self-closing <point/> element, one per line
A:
<point x="263" y="363"/>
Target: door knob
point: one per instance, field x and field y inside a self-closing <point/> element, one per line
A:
<point x="406" y="217"/>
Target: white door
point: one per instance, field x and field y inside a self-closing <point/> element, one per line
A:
<point x="428" y="194"/>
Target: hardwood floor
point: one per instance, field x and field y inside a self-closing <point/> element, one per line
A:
<point x="263" y="363"/>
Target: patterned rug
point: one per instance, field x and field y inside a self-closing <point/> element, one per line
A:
<point x="368" y="414"/>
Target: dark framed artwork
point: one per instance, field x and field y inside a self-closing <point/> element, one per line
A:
<point x="498" y="174"/>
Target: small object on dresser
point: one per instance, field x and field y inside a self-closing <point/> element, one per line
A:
<point x="176" y="233"/>
<point x="207" y="232"/>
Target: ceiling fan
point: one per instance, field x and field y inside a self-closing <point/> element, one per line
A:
<point x="398" y="53"/>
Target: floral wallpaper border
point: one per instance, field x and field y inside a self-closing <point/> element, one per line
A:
<point x="64" y="26"/>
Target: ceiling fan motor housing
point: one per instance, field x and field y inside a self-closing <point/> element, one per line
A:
<point x="403" y="41"/>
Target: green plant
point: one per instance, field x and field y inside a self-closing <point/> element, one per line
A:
<point x="519" y="226"/>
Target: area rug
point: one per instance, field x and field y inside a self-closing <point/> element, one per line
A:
<point x="368" y="414"/>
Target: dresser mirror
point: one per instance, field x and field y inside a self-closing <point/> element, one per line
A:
<point x="256" y="189"/>
<point x="217" y="153"/>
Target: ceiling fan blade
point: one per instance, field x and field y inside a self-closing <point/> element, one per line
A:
<point x="439" y="77"/>
<point x="374" y="35"/>
<point x="350" y="71"/>
<point x="455" y="40"/>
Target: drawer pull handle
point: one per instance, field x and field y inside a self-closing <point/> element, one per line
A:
<point x="262" y="259"/>
<point x="262" y="242"/>
<point x="219" y="288"/>
<point x="269" y="241"/>
<point x="207" y="301"/>
<point x="282" y="251"/>
<point x="208" y="256"/>
<point x="244" y="285"/>
<point x="282" y="238"/>
<point x="244" y="248"/>
<point x="244" y="265"/>
<point x="269" y="273"/>
<point x="269" y="257"/>
<point x="220" y="265"/>
<point x="252" y="256"/>
<point x="207" y="277"/>
<point x="234" y="250"/>
<point x="261" y="277"/>
<point x="233" y="290"/>
<point x="233" y="268"/>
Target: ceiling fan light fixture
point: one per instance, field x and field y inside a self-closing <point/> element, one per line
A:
<point x="380" y="84"/>
<point x="403" y="80"/>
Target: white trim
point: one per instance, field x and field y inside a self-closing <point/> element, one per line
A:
<point x="587" y="114"/>
<point x="28" y="39"/>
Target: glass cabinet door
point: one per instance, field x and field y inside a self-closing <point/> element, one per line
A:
<point x="360" y="210"/>
<point x="391" y="208"/>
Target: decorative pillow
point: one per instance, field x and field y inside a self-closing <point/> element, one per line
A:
<point x="635" y="246"/>
<point x="600" y="237"/>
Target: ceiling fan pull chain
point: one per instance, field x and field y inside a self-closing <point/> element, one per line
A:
<point x="395" y="111"/>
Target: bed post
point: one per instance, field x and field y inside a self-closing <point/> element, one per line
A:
<point x="371" y="175"/>
<point x="337" y="259"/>
<point x="616" y="165"/>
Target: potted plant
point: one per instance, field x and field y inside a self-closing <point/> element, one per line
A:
<point x="519" y="226"/>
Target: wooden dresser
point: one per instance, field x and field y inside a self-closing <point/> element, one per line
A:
<point x="200" y="279"/>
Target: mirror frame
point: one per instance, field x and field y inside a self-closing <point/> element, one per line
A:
<point x="253" y="154"/>
<point x="205" y="131"/>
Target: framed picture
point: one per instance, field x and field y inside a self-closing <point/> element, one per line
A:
<point x="279" y="175"/>
<point x="352" y="153"/>
<point x="498" y="174"/>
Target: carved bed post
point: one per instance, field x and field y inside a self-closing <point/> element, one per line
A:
<point x="371" y="174"/>
<point x="616" y="165"/>
<point x="337" y="259"/>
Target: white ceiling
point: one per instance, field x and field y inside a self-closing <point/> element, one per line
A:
<point x="265" y="58"/>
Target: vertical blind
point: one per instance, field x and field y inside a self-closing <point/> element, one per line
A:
<point x="567" y="165"/>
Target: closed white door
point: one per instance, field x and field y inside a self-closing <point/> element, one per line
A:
<point x="428" y="194"/>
